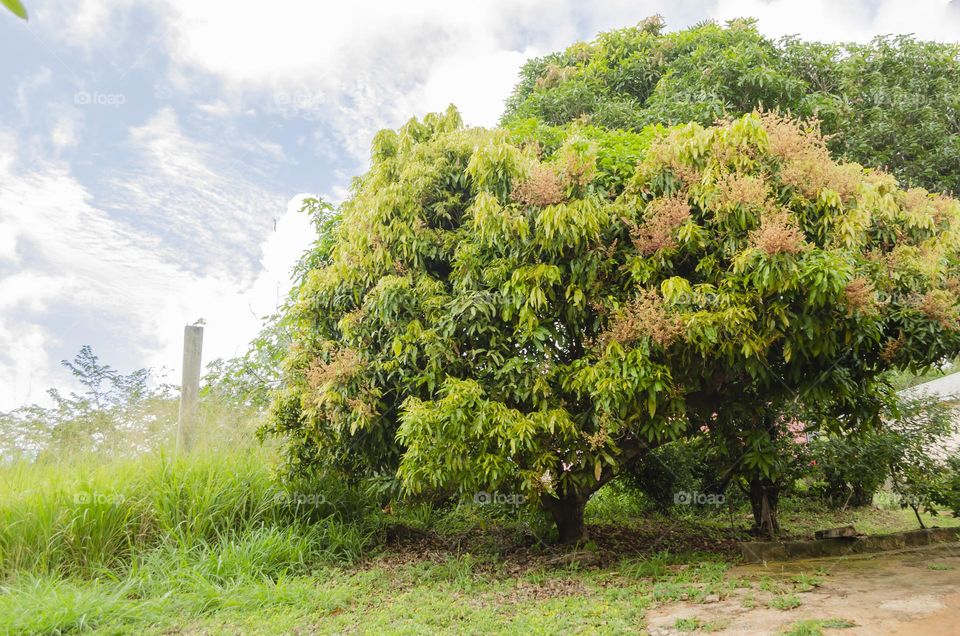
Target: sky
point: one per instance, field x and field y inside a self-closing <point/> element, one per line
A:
<point x="154" y="153"/>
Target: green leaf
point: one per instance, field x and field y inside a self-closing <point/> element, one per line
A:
<point x="16" y="8"/>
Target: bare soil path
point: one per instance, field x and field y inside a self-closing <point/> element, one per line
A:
<point x="906" y="593"/>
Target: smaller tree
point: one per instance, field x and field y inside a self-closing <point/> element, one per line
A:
<point x="949" y="496"/>
<point x="915" y="435"/>
<point x="852" y="468"/>
<point x="906" y="449"/>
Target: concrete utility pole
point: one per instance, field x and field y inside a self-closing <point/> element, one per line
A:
<point x="189" y="386"/>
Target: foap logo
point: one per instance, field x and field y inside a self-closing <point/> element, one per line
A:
<point x="298" y="99"/>
<point x="299" y="499"/>
<point x="483" y="498"/>
<point x="85" y="98"/>
<point x="684" y="498"/>
<point x="85" y="497"/>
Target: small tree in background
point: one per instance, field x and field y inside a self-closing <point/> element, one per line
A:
<point x="915" y="438"/>
<point x="532" y="309"/>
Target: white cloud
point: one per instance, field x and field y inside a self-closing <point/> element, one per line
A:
<point x="88" y="265"/>
<point x="364" y="65"/>
<point x="65" y="132"/>
<point x="197" y="201"/>
<point x="24" y="363"/>
<point x="829" y="20"/>
<point x="29" y="86"/>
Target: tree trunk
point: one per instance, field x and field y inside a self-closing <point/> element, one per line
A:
<point x="567" y="513"/>
<point x="764" y="501"/>
<point x="567" y="507"/>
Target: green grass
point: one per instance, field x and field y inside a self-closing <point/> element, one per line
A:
<point x="410" y="598"/>
<point x="85" y="519"/>
<point x="119" y="545"/>
<point x="801" y="518"/>
<point x="815" y="627"/>
<point x="785" y="602"/>
<point x="694" y="624"/>
<point x="213" y="542"/>
<point x="940" y="567"/>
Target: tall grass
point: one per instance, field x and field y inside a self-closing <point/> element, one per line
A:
<point x="87" y="538"/>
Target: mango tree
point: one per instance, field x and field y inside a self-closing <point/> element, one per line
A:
<point x="529" y="310"/>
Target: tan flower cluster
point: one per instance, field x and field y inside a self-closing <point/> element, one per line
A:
<point x="543" y="188"/>
<point x="598" y="439"/>
<point x="663" y="154"/>
<point x="645" y="315"/>
<point x="342" y="364"/>
<point x="945" y="209"/>
<point x="652" y="24"/>
<point x="663" y="216"/>
<point x="778" y="234"/>
<point x="807" y="165"/>
<point x="859" y="296"/>
<point x="610" y="249"/>
<point x="790" y="139"/>
<point x="735" y="189"/>
<point x="811" y="175"/>
<point x="361" y="407"/>
<point x="598" y="307"/>
<point x="554" y="75"/>
<point x="579" y="170"/>
<point x="938" y="305"/>
<point x="916" y="199"/>
<point x="939" y="207"/>
<point x="891" y="348"/>
<point x="581" y="52"/>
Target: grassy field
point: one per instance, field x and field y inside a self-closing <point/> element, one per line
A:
<point x="213" y="543"/>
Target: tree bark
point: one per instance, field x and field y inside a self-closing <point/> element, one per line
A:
<point x="567" y="507"/>
<point x="764" y="502"/>
<point x="567" y="513"/>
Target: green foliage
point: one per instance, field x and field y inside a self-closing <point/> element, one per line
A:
<point x="672" y="468"/>
<point x="84" y="517"/>
<point x="917" y="434"/>
<point x="950" y="494"/>
<point x="815" y="627"/>
<point x="16" y="8"/>
<point x="888" y="104"/>
<point x="112" y="407"/>
<point x="907" y="448"/>
<point x="850" y="468"/>
<point x="785" y="602"/>
<point x="518" y="310"/>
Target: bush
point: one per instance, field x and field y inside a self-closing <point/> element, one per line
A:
<point x="849" y="469"/>
<point x="906" y="448"/>
<point x="667" y="471"/>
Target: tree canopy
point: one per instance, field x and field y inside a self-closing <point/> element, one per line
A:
<point x="893" y="103"/>
<point x="529" y="309"/>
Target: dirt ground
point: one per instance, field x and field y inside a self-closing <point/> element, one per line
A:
<point x="905" y="593"/>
